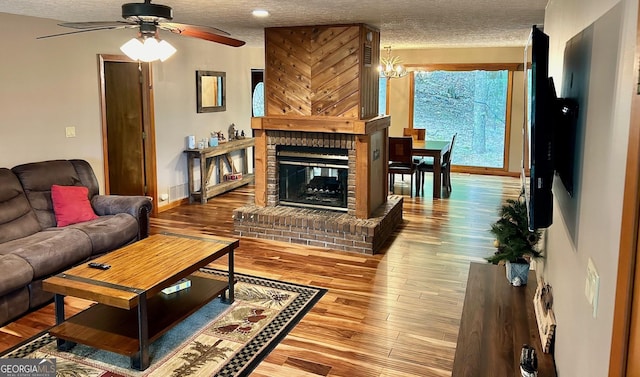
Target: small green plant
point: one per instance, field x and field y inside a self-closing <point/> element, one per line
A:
<point x="515" y="242"/>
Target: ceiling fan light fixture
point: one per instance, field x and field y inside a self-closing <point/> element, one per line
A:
<point x="148" y="50"/>
<point x="132" y="48"/>
<point x="165" y="50"/>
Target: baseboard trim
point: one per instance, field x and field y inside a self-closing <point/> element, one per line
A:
<point x="174" y="204"/>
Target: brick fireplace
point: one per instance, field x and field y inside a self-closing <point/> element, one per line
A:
<point x="321" y="97"/>
<point x="370" y="216"/>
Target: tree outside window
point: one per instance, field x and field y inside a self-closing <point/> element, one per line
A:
<point x="472" y="104"/>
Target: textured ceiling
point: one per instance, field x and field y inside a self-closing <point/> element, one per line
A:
<point x="402" y="23"/>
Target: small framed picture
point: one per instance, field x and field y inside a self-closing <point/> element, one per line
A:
<point x="543" y="305"/>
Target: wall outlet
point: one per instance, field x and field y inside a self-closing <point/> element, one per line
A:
<point x="70" y="131"/>
<point x="592" y="286"/>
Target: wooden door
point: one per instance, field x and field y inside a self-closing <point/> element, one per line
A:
<point x="128" y="127"/>
<point x="625" y="341"/>
<point x="123" y="96"/>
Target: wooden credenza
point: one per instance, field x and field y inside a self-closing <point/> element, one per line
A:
<point x="217" y="159"/>
<point x="497" y="320"/>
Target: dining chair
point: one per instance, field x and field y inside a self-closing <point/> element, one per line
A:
<point x="427" y="167"/>
<point x="418" y="134"/>
<point x="415" y="133"/>
<point x="401" y="160"/>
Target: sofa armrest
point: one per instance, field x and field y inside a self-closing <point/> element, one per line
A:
<point x="137" y="206"/>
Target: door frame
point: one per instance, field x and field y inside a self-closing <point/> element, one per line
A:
<point x="148" y="125"/>
<point x="625" y="339"/>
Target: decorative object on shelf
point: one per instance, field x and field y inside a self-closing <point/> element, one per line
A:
<point x="213" y="140"/>
<point x="390" y="66"/>
<point x="232" y="177"/>
<point x="546" y="319"/>
<point x="191" y="142"/>
<point x="232" y="131"/>
<point x="179" y="286"/>
<point x="515" y="243"/>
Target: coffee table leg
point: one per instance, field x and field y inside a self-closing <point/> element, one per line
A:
<point x="140" y="360"/>
<point x="231" y="277"/>
<point x="63" y="345"/>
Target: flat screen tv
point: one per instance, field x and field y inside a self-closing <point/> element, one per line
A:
<point x="538" y="169"/>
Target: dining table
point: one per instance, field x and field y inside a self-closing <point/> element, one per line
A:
<point x="435" y="149"/>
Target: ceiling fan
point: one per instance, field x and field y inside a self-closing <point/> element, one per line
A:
<point x="148" y="18"/>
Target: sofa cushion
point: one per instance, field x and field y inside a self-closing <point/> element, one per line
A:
<point x="109" y="232"/>
<point x="37" y="179"/>
<point x="71" y="205"/>
<point x="17" y="219"/>
<point x="48" y="252"/>
<point x="16" y="273"/>
<point x="13" y="304"/>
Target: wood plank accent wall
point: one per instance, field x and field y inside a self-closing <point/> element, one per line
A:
<point x="328" y="70"/>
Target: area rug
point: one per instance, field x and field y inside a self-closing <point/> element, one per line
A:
<point x="218" y="340"/>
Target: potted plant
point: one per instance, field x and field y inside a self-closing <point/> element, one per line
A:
<point x="516" y="244"/>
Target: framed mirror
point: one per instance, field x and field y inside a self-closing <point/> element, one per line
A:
<point x="211" y="91"/>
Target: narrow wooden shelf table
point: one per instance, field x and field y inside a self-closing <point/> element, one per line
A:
<point x="126" y="318"/>
<point x="497" y="320"/>
<point x="210" y="158"/>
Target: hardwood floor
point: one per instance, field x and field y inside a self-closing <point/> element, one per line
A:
<point x="392" y="314"/>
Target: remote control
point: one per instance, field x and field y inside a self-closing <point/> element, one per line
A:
<point x="100" y="266"/>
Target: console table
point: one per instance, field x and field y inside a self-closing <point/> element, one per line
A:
<point x="497" y="320"/>
<point x="217" y="158"/>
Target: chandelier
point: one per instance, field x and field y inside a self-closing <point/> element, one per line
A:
<point x="390" y="66"/>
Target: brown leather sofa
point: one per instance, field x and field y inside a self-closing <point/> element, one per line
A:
<point x="33" y="248"/>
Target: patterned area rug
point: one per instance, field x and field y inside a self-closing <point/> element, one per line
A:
<point x="219" y="339"/>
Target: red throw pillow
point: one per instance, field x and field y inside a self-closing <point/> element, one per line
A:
<point x="71" y="204"/>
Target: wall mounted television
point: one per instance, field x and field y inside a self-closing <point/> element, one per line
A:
<point x="537" y="167"/>
<point x="549" y="133"/>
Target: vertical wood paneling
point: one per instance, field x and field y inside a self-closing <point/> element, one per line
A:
<point x="260" y="156"/>
<point x="370" y="94"/>
<point x="363" y="199"/>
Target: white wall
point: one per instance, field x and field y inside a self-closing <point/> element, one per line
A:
<point x="49" y="84"/>
<point x="582" y="342"/>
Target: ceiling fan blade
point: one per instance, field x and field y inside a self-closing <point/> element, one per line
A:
<point x="206" y="29"/>
<point x="86" y="30"/>
<point x="201" y="32"/>
<point x="97" y="24"/>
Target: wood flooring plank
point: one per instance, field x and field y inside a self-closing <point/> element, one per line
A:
<point x="394" y="314"/>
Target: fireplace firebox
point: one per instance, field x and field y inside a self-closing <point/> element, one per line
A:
<point x="313" y="177"/>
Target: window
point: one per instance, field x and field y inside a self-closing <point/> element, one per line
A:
<point x="257" y="92"/>
<point x="258" y="100"/>
<point x="472" y="103"/>
<point x="382" y="98"/>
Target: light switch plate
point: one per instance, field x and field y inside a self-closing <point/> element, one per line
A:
<point x="592" y="286"/>
<point x="70" y="131"/>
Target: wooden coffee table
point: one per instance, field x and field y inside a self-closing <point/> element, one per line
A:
<point x="131" y="311"/>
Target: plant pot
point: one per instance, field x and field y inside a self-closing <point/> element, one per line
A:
<point x="517" y="273"/>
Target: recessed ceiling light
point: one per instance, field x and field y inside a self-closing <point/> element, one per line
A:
<point x="260" y="13"/>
